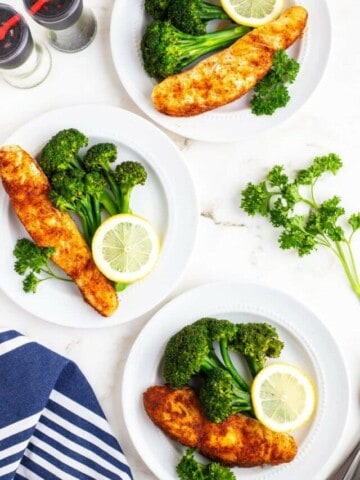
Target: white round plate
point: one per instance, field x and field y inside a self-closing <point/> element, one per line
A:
<point x="233" y="121"/>
<point x="308" y="344"/>
<point x="161" y="200"/>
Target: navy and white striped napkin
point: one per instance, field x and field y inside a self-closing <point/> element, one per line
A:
<point x="51" y="425"/>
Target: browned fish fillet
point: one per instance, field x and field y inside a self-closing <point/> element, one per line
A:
<point x="229" y="74"/>
<point x="28" y="189"/>
<point x="238" y="441"/>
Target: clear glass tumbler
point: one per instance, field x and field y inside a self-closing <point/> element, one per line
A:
<point x="72" y="27"/>
<point x="23" y="62"/>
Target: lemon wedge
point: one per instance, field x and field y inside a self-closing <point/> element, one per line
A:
<point x="253" y="13"/>
<point x="283" y="397"/>
<point x="125" y="248"/>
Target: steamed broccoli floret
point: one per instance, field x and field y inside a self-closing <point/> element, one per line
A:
<point x="256" y="342"/>
<point x="61" y="151"/>
<point x="187" y="353"/>
<point x="85" y="184"/>
<point x="190" y="469"/>
<point x="223" y="331"/>
<point x="220" y="396"/>
<point x="166" y="50"/>
<point x="157" y="8"/>
<point x="34" y="262"/>
<point x="191" y="16"/>
<point x="127" y="175"/>
<point x="99" y="158"/>
<point x="79" y="192"/>
<point x="121" y="180"/>
<point x="191" y="351"/>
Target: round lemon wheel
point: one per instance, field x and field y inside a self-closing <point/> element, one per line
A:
<point x="125" y="248"/>
<point x="253" y="13"/>
<point x="283" y="397"/>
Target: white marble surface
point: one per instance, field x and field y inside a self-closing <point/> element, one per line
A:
<point x="230" y="245"/>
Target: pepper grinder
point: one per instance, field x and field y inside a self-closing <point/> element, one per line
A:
<point x="72" y="27"/>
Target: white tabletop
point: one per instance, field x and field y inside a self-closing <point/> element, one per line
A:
<point x="230" y="245"/>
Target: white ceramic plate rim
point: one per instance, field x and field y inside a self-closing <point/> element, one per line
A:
<point x="148" y="143"/>
<point x="234" y="121"/>
<point x="217" y="299"/>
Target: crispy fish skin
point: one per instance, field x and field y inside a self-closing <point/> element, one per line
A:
<point x="239" y="441"/>
<point x="226" y="76"/>
<point x="28" y="189"/>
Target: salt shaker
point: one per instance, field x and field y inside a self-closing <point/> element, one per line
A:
<point x="23" y="62"/>
<point x="72" y="27"/>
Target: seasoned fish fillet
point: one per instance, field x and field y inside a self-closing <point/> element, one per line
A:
<point x="226" y="76"/>
<point x="238" y="441"/>
<point x="28" y="189"/>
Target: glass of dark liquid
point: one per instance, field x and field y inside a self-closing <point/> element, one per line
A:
<point x="23" y="62"/>
<point x="72" y="27"/>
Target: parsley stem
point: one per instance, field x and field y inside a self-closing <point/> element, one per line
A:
<point x="352" y="259"/>
<point x="313" y="194"/>
<point x="51" y="274"/>
<point x="354" y="284"/>
<point x="308" y="202"/>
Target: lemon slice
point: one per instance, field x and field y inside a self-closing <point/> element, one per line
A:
<point x="283" y="397"/>
<point x="253" y="12"/>
<point x="125" y="248"/>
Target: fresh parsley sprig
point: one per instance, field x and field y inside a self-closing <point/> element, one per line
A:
<point x="277" y="198"/>
<point x="272" y="92"/>
<point x="33" y="261"/>
<point x="190" y="469"/>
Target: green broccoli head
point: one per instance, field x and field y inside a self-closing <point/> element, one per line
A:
<point x="127" y="175"/>
<point x="157" y="8"/>
<point x="256" y="342"/>
<point x="69" y="184"/>
<point x="95" y="184"/>
<point x="99" y="157"/>
<point x="60" y="152"/>
<point x="76" y="191"/>
<point x="218" y="329"/>
<point x="186" y="354"/>
<point x="220" y="396"/>
<point x="191" y="16"/>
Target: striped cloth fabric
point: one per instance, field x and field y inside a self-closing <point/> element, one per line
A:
<point x="51" y="425"/>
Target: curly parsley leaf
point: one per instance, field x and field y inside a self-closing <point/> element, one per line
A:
<point x="33" y="261"/>
<point x="271" y="92"/>
<point x="190" y="469"/>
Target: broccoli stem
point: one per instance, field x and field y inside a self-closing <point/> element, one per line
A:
<point x="85" y="227"/>
<point x="243" y="399"/>
<point x="125" y="204"/>
<point x="230" y="366"/>
<point x="108" y="203"/>
<point x="208" y="43"/>
<point x="115" y="190"/>
<point x="211" y="362"/>
<point x="211" y="12"/>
